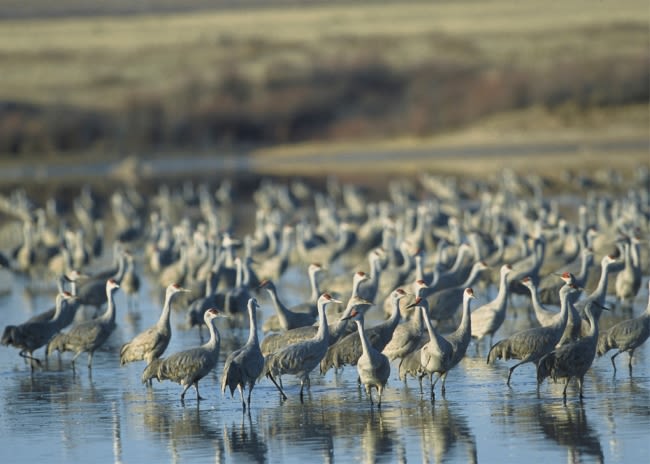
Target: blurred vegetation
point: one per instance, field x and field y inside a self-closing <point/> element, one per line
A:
<point x="249" y="77"/>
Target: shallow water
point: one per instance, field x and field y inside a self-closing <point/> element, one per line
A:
<point x="106" y="415"/>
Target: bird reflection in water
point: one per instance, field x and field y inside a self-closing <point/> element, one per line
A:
<point x="442" y="432"/>
<point x="297" y="426"/>
<point x="378" y="439"/>
<point x="185" y="428"/>
<point x="243" y="442"/>
<point x="568" y="426"/>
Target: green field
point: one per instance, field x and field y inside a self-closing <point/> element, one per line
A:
<point x="389" y="69"/>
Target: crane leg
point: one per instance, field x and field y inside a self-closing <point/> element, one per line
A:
<point x="614" y="362"/>
<point x="196" y="387"/>
<point x="250" y="391"/>
<point x="240" y="387"/>
<point x="302" y="386"/>
<point x="442" y="387"/>
<point x="284" y="397"/>
<point x="31" y="359"/>
<point x="581" y="381"/>
<point x="380" y="390"/>
<point x="629" y="362"/>
<point x="90" y="360"/>
<point x="185" y="388"/>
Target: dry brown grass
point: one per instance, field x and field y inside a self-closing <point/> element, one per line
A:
<point x="100" y="61"/>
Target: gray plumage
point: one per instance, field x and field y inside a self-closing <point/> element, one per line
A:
<point x="549" y="286"/>
<point x="288" y="319"/>
<point x="628" y="281"/>
<point x="530" y="345"/>
<point x="348" y="350"/>
<point x="373" y="366"/>
<point x="439" y="355"/>
<point x="274" y="342"/>
<point x="32" y="335"/>
<point x="87" y="336"/>
<point x="188" y="367"/>
<point x="274" y="323"/>
<point x="577" y="327"/>
<point x="153" y="342"/>
<point x="626" y="336"/>
<point x="487" y="319"/>
<point x="244" y="366"/>
<point x="572" y="360"/>
<point x="301" y="358"/>
<point x="444" y="304"/>
<point x="408" y="337"/>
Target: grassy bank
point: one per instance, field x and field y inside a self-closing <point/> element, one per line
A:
<point x="269" y="76"/>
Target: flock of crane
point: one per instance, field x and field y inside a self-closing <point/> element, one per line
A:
<point x="417" y="260"/>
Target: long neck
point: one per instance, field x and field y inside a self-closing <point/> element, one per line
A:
<point x="215" y="339"/>
<point x="585" y="263"/>
<point x="564" y="310"/>
<point x="427" y="322"/>
<point x="313" y="283"/>
<point x="365" y="345"/>
<point x="465" y="327"/>
<point x="396" y="315"/>
<point x="109" y="315"/>
<point x="601" y="289"/>
<point x="471" y="278"/>
<point x="163" y="321"/>
<point x="502" y="296"/>
<point x="58" y="305"/>
<point x="252" y="331"/>
<point x="280" y="308"/>
<point x="323" y="329"/>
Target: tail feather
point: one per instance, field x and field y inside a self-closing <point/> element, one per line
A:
<point x="545" y="367"/>
<point x="152" y="371"/>
<point x="500" y="350"/>
<point x="8" y="335"/>
<point x="56" y="344"/>
<point x="605" y="343"/>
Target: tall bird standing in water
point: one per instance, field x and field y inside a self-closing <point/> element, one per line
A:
<point x="153" y="342"/>
<point x="189" y="366"/>
<point x="301" y="358"/>
<point x="373" y="366"/>
<point x="625" y="336"/>
<point x="487" y="319"/>
<point x="530" y="345"/>
<point x="244" y="366"/>
<point x="571" y="360"/>
<point x="90" y="335"/>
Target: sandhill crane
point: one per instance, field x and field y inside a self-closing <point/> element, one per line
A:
<point x="87" y="336"/>
<point x="444" y="303"/>
<point x="244" y="366"/>
<point x="628" y="281"/>
<point x="188" y="367"/>
<point x="274" y="342"/>
<point x="373" y="366"/>
<point x="571" y="360"/>
<point x="130" y="283"/>
<point x="30" y="336"/>
<point x="408" y="337"/>
<point x="288" y="318"/>
<point x="440" y="354"/>
<point x="152" y="343"/>
<point x="348" y="349"/>
<point x="530" y="345"/>
<point x="549" y="287"/>
<point x="301" y="358"/>
<point x="595" y="300"/>
<point x="487" y="319"/>
<point x="626" y="336"/>
<point x="274" y="322"/>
